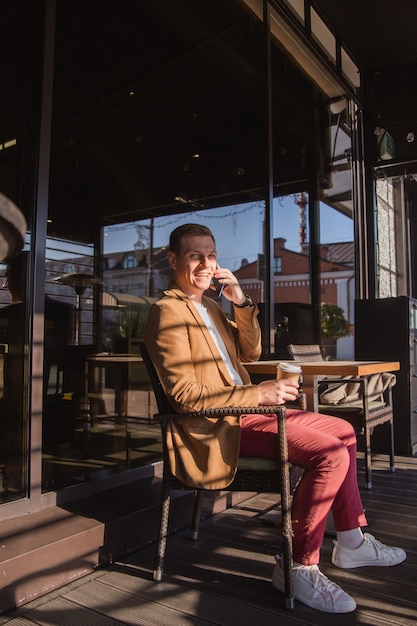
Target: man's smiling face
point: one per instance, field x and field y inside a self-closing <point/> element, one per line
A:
<point x="194" y="266"/>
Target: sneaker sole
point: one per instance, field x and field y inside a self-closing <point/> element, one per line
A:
<point x="334" y="609"/>
<point x="370" y="563"/>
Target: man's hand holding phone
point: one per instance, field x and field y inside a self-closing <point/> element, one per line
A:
<point x="226" y="283"/>
<point x="217" y="287"/>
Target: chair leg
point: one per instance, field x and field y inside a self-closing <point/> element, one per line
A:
<point x="163" y="529"/>
<point x="196" y="516"/>
<point x="286" y="514"/>
<point x="392" y="447"/>
<point x="150" y="416"/>
<point x="368" y="457"/>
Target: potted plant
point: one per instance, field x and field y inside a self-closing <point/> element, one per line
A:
<point x="333" y="325"/>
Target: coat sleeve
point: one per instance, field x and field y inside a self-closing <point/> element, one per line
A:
<point x="191" y="370"/>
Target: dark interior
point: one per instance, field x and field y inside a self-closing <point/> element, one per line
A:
<point x="140" y="88"/>
<point x="381" y="37"/>
<point x="139" y="91"/>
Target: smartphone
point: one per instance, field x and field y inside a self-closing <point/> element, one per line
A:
<point x="219" y="286"/>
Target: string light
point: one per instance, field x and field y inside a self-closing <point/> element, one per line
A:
<point x="246" y="209"/>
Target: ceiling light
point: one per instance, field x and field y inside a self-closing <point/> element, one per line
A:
<point x="338" y="105"/>
<point x="8" y="144"/>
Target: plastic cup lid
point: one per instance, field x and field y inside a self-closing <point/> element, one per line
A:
<point x="290" y="367"/>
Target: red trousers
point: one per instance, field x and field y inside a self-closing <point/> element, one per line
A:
<point x="325" y="447"/>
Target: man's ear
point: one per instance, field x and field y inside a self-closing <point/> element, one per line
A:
<point x="172" y="260"/>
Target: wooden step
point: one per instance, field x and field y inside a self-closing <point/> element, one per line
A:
<point x="43" y="551"/>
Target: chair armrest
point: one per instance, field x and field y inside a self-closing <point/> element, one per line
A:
<point x="168" y="420"/>
<point x="258" y="410"/>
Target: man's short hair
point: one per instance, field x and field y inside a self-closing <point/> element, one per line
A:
<point x="194" y="230"/>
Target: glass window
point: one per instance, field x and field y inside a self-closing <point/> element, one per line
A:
<point x="156" y="129"/>
<point x="293" y="321"/>
<point x="337" y="254"/>
<point x="350" y="70"/>
<point x="13" y="377"/>
<point x="158" y="117"/>
<point x="237" y="230"/>
<point x="277" y="265"/>
<point x="294" y="150"/>
<point x="337" y="280"/>
<point x="69" y="336"/>
<point x="14" y="319"/>
<point x="298" y="7"/>
<point x="323" y="35"/>
<point x="130" y="261"/>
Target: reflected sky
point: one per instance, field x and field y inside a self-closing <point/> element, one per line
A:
<point x="237" y="229"/>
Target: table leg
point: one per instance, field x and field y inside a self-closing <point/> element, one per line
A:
<point x="310" y="389"/>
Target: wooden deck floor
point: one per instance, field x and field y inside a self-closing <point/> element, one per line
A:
<point x="224" y="577"/>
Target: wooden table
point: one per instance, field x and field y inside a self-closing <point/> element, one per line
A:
<point x="120" y="364"/>
<point x="312" y="369"/>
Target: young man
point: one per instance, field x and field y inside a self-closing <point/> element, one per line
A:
<point x="198" y="353"/>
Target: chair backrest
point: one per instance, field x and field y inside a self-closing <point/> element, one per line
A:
<point x="161" y="400"/>
<point x="305" y="352"/>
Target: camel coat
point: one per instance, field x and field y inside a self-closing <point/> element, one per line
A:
<point x="203" y="451"/>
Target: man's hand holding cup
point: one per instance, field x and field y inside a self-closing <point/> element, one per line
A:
<point x="284" y="388"/>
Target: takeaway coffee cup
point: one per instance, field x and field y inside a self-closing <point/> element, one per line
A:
<point x="289" y="370"/>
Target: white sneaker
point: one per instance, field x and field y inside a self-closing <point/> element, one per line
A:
<point x="313" y="588"/>
<point x="370" y="552"/>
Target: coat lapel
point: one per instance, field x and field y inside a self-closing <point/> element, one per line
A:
<point x="206" y="333"/>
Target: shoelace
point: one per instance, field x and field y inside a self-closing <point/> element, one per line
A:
<point x="320" y="582"/>
<point x="378" y="546"/>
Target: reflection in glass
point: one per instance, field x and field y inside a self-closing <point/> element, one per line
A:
<point x="337" y="281"/>
<point x="180" y="141"/>
<point x="292" y="290"/>
<point x="337" y="254"/>
<point x="176" y="130"/>
<point x="238" y="233"/>
<point x="14" y="60"/>
<point x="13" y="377"/>
<point x="293" y="316"/>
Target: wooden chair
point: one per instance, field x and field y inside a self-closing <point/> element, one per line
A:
<point x="364" y="412"/>
<point x="253" y="474"/>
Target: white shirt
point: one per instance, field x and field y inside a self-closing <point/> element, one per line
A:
<point x="217" y="338"/>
